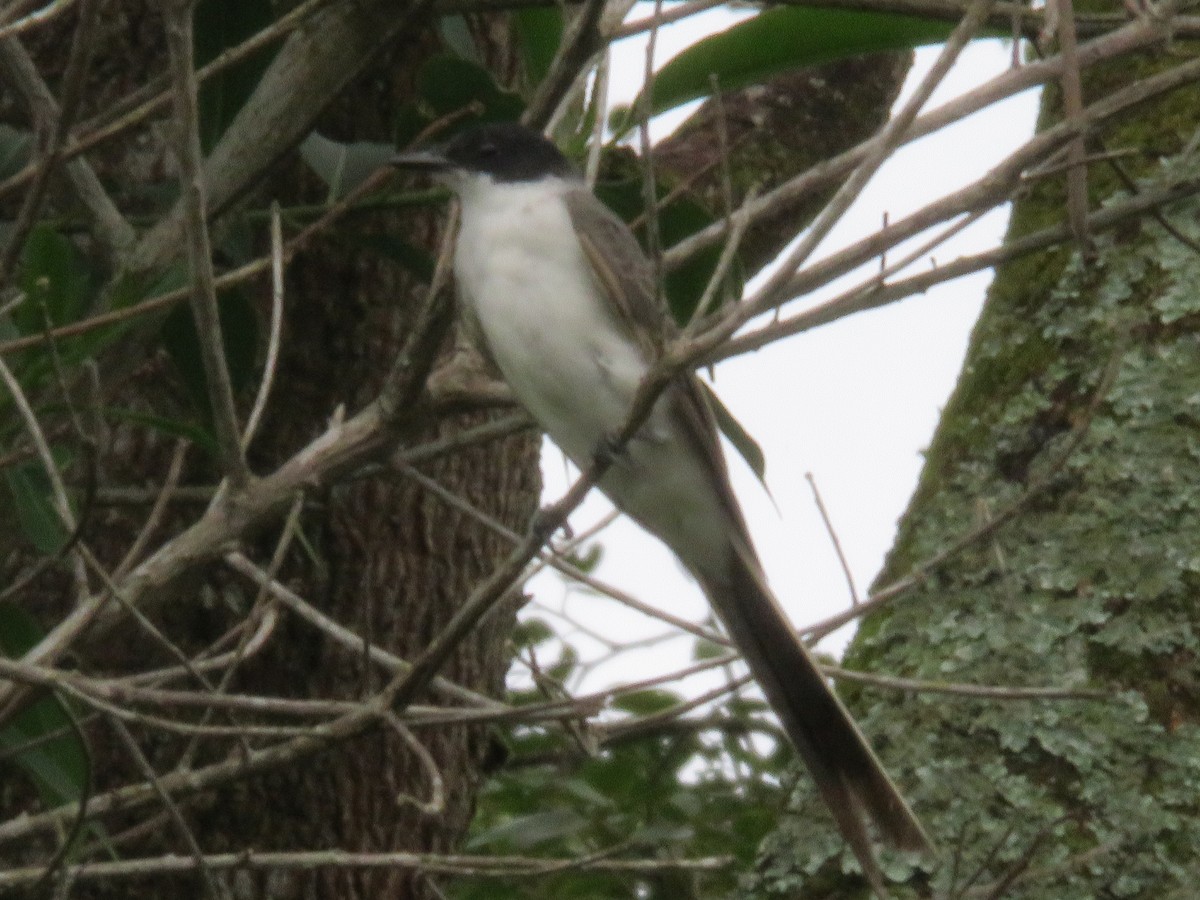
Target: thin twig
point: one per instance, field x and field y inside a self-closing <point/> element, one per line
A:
<point x="1034" y="488"/>
<point x="36" y="18"/>
<point x="347" y="638"/>
<point x="654" y="247"/>
<point x="62" y="502"/>
<point x="212" y="886"/>
<point x="436" y="804"/>
<point x="60" y="117"/>
<point x="891" y="136"/>
<point x="290" y="526"/>
<point x="462" y="865"/>
<point x="599" y="116"/>
<point x="203" y="292"/>
<point x="658" y="19"/>
<point x="872" y="295"/>
<point x="977" y="691"/>
<point x="110" y="228"/>
<point x="1129" y="39"/>
<point x="161" y="501"/>
<point x="556" y="560"/>
<point x="580" y="40"/>
<point x="989" y="191"/>
<point x="243" y="273"/>
<point x="833" y="537"/>
<point x="268" y="376"/>
<point x="1072" y="94"/>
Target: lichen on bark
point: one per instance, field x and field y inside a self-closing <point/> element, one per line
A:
<point x="1092" y="585"/>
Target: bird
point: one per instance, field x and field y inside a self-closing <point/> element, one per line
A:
<point x="559" y="296"/>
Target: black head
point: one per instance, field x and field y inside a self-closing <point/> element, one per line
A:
<point x="506" y="151"/>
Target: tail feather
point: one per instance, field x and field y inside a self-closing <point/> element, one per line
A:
<point x="847" y="773"/>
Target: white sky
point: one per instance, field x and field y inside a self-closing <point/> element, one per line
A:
<point x="854" y="402"/>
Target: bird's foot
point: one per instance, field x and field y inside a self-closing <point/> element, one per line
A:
<point x="609" y="450"/>
<point x="548" y="520"/>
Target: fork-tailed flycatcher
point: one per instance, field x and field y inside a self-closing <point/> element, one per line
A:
<point x="562" y="299"/>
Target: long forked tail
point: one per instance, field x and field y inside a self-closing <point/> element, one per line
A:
<point x="850" y="778"/>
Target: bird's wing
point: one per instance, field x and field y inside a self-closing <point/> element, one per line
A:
<point x="627" y="283"/>
<point x="621" y="269"/>
<point x="850" y="778"/>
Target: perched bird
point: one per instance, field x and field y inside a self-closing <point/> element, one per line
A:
<point x="562" y="300"/>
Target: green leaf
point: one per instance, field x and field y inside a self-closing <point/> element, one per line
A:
<point x="447" y="85"/>
<point x="780" y="40"/>
<point x="648" y="702"/>
<point x="588" y="559"/>
<point x="531" y="633"/>
<point x="32" y="499"/>
<point x="747" y="447"/>
<point x="457" y="37"/>
<point x="220" y="25"/>
<point x="706" y="649"/>
<point x="539" y="32"/>
<point x="344" y="166"/>
<point x="42" y="739"/>
<point x="56" y="279"/>
<point x="531" y="830"/>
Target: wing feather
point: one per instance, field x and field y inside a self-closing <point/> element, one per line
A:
<point x="626" y="280"/>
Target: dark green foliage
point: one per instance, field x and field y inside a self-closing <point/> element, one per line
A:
<point x="34" y="507"/>
<point x="41" y="740"/>
<point x="447" y="85"/>
<point x="219" y="26"/>
<point x="674" y="791"/>
<point x="778" y="40"/>
<point x="539" y="32"/>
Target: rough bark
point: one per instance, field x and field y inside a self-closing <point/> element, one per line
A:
<point x="382" y="556"/>
<point x="1091" y="585"/>
<point x="777" y="129"/>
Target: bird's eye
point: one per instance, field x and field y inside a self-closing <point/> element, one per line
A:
<point x="487" y="149"/>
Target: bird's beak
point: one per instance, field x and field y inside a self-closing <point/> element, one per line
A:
<point x="429" y="160"/>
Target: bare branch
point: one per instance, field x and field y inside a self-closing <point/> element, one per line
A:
<point x="873" y="294"/>
<point x="579" y="43"/>
<point x="313" y="65"/>
<point x="203" y="294"/>
<point x="833" y="537"/>
<point x="108" y="225"/>
<point x="276" y="328"/>
<point x="347" y="638"/>
<point x="977" y="691"/>
<point x="1072" y="88"/>
<point x="213" y="887"/>
<point x="879" y="148"/>
<point x="32" y="20"/>
<point x="467" y="866"/>
<point x="1129" y="39"/>
<point x="1033" y="489"/>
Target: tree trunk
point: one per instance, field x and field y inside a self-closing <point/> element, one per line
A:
<point x="1077" y="402"/>
<point x="380" y="555"/>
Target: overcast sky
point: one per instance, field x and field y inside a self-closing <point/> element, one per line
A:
<point x="854" y="403"/>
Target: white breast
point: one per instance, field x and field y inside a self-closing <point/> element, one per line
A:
<point x="521" y="269"/>
<point x="528" y="284"/>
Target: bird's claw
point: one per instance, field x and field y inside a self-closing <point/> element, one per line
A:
<point x="609" y="451"/>
<point x="548" y="520"/>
